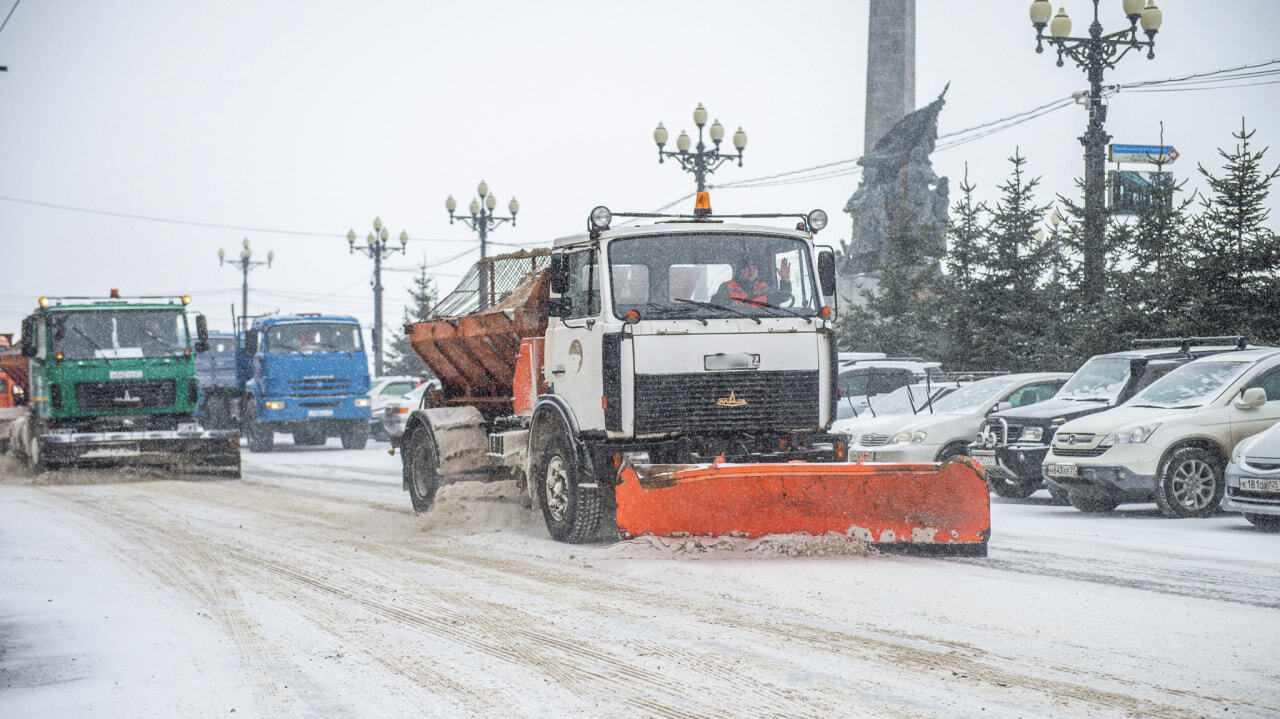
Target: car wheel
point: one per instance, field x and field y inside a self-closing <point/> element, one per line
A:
<point x="1092" y="503"/>
<point x="1190" y="484"/>
<point x="572" y="512"/>
<point x="955" y="449"/>
<point x="421" y="472"/>
<point x="1265" y="522"/>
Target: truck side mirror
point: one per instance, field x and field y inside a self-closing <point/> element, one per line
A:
<point x="1251" y="398"/>
<point x="559" y="306"/>
<point x="827" y="272"/>
<point x="250" y="343"/>
<point x="202" y="334"/>
<point x="29" y="336"/>
<point x="1002" y="406"/>
<point x="560" y="274"/>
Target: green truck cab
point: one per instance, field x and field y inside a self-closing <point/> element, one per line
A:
<point x="113" y="381"/>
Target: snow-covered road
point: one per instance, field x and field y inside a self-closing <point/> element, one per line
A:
<point x="309" y="588"/>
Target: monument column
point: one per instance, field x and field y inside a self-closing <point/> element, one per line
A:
<point x="891" y="67"/>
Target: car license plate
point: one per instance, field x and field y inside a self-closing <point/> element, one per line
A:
<point x="985" y="458"/>
<point x="320" y="413"/>
<point x="124" y="450"/>
<point x="1060" y="470"/>
<point x="1257" y="484"/>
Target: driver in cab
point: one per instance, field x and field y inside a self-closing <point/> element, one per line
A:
<point x="747" y="288"/>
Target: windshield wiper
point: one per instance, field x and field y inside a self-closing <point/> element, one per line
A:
<point x="668" y="309"/>
<point x="788" y="310"/>
<point x="164" y="342"/>
<point x="1088" y="399"/>
<point x="714" y="306"/>
<point x="91" y="341"/>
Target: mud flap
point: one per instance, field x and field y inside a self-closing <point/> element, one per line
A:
<point x="920" y="508"/>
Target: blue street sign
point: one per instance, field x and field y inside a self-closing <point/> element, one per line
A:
<point x="1149" y="154"/>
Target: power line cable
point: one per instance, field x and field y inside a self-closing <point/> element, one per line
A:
<point x="6" y="17"/>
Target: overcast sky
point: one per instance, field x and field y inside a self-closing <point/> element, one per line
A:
<point x="303" y="119"/>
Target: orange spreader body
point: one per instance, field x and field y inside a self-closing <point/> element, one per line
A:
<point x="933" y="508"/>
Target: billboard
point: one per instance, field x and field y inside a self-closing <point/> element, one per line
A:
<point x="1133" y="191"/>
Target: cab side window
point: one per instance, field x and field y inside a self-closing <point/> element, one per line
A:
<point x="584" y="284"/>
<point x="1269" y="381"/>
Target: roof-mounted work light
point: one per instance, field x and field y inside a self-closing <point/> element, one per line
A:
<point x="817" y="220"/>
<point x="600" y="218"/>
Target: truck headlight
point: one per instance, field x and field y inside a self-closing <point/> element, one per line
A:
<point x="362" y="401"/>
<point x="274" y="404"/>
<point x="1133" y="434"/>
<point x="908" y="436"/>
<point x="1032" y="434"/>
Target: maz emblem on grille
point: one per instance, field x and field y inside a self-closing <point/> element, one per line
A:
<point x="127" y="398"/>
<point x="730" y="401"/>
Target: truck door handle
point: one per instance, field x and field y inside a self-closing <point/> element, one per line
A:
<point x="558" y="370"/>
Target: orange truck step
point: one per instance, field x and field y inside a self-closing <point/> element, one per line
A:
<point x="920" y="508"/>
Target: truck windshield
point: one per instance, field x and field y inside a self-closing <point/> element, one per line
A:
<point x="118" y="333"/>
<point x="1099" y="379"/>
<point x="696" y="275"/>
<point x="310" y="337"/>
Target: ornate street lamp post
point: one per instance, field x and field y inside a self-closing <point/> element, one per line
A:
<point x="702" y="161"/>
<point x="377" y="248"/>
<point x="1094" y="54"/>
<point x="482" y="221"/>
<point x="245" y="263"/>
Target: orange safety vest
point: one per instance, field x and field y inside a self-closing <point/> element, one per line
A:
<point x="759" y="293"/>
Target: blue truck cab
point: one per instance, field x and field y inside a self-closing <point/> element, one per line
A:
<point x="305" y="375"/>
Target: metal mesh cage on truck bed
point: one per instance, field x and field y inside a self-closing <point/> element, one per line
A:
<point x="491" y="283"/>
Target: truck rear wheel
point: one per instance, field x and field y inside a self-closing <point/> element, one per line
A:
<point x="420" y="468"/>
<point x="572" y="512"/>
<point x="355" y="435"/>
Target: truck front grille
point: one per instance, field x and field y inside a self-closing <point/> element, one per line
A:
<point x="329" y="385"/>
<point x="726" y="401"/>
<point x="121" y="396"/>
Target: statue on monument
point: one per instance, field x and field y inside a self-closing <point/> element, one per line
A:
<point x="897" y="171"/>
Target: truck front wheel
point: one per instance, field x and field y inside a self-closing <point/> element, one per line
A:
<point x="258" y="437"/>
<point x="572" y="512"/>
<point x="356" y="434"/>
<point x="421" y="472"/>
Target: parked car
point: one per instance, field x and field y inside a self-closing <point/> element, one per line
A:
<point x="908" y="399"/>
<point x="1171" y="442"/>
<point x="862" y="378"/>
<point x="946" y="430"/>
<point x="395" y="413"/>
<point x="1253" y="479"/>
<point x="382" y="391"/>
<point x="1012" y="444"/>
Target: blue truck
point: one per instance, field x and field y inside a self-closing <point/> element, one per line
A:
<point x="305" y="375"/>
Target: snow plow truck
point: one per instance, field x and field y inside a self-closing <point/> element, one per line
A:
<point x="113" y="381"/>
<point x="676" y="378"/>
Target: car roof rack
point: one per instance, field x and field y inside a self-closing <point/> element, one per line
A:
<point x="1184" y="343"/>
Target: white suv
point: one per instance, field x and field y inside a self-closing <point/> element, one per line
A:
<point x="1171" y="441"/>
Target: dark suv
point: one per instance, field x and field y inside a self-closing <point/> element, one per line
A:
<point x="1012" y="443"/>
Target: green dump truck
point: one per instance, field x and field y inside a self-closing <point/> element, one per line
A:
<point x="113" y="381"/>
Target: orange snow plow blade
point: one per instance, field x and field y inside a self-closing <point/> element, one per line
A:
<point x="920" y="508"/>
